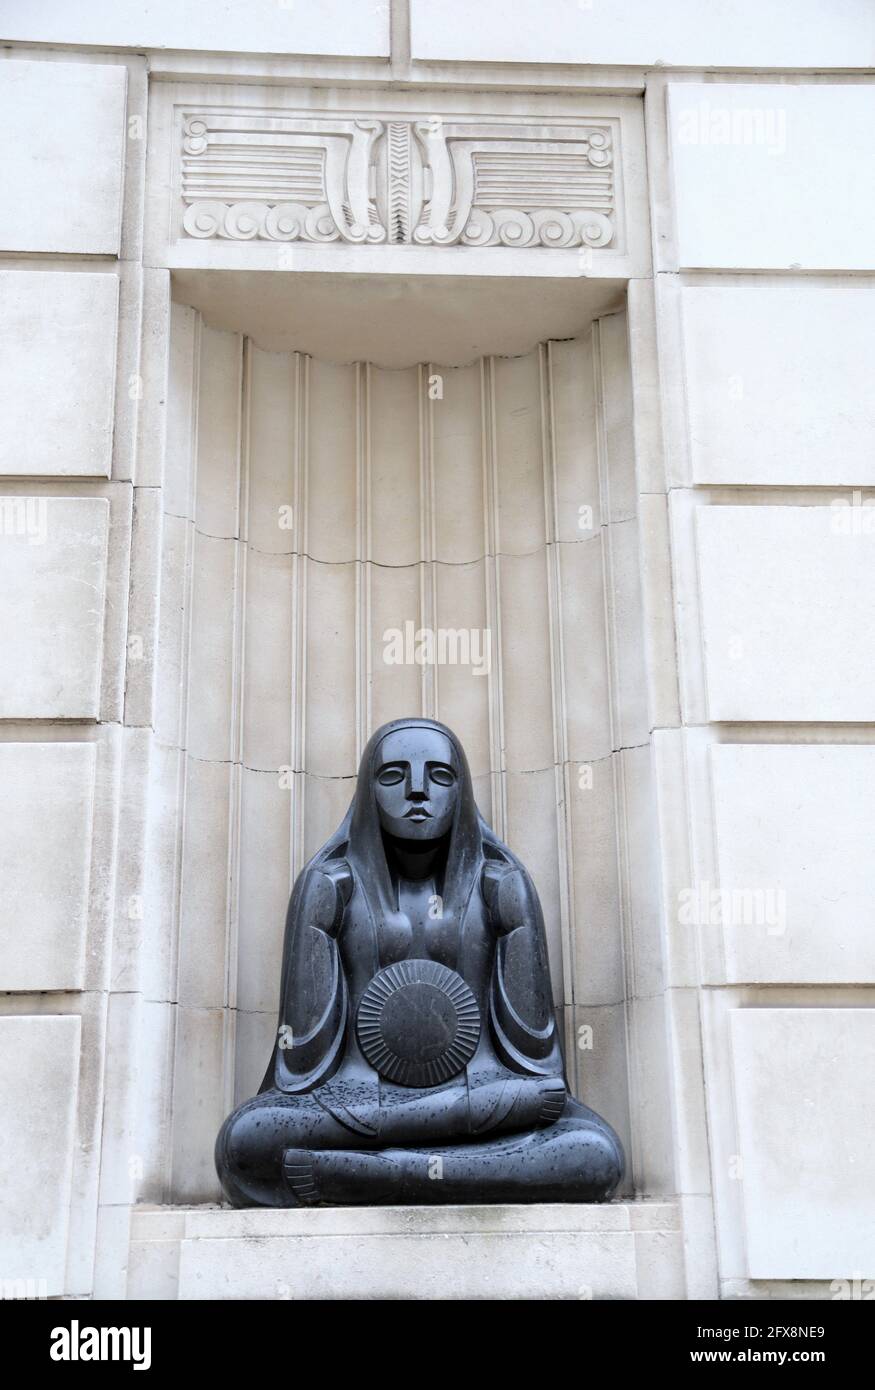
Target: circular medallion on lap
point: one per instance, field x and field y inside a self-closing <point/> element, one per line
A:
<point x="418" y="1023"/>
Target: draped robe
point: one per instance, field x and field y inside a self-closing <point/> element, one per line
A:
<point x="343" y="927"/>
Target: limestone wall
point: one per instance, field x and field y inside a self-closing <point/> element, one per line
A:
<point x="691" y="364"/>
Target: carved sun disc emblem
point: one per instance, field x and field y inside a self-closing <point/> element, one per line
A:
<point x="418" y="1023"/>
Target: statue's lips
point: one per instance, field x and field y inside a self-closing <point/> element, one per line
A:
<point x="418" y="814"/>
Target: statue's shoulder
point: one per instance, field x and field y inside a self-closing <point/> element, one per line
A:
<point x="323" y="889"/>
<point x="337" y="871"/>
<point x="508" y="890"/>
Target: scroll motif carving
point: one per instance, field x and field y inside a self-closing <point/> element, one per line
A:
<point x="438" y="182"/>
<point x="279" y="177"/>
<point x="489" y="189"/>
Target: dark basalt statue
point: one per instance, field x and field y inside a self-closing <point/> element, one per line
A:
<point x="417" y="1058"/>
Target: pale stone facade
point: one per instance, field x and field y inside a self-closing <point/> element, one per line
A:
<point x="542" y="328"/>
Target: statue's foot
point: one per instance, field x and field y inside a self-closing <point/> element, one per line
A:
<point x="512" y="1106"/>
<point x="553" y="1098"/>
<point x="300" y="1178"/>
<point x="338" y="1176"/>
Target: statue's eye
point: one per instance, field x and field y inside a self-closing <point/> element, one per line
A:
<point x="390" y="776"/>
<point x="444" y="776"/>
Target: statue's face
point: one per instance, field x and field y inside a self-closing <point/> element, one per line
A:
<point x="416" y="784"/>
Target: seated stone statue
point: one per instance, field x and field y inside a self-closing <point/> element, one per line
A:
<point x="417" y="1057"/>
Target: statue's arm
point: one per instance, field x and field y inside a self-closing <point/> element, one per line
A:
<point x="521" y="998"/>
<point x="313" y="998"/>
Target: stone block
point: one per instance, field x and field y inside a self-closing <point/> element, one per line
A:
<point x="751" y="164"/>
<point x="786" y="612"/>
<point x="53" y="557"/>
<point x="805" y="1117"/>
<point x="39" y="1069"/>
<point x="63" y="147"/>
<point x="57" y="372"/>
<point x="573" y="1252"/>
<point x="45" y="858"/>
<point x="794" y="829"/>
<point x="778" y="384"/>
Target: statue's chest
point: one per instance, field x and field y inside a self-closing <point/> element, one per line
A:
<point x="420" y="929"/>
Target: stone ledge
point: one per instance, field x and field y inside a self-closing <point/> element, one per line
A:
<point x="622" y="1250"/>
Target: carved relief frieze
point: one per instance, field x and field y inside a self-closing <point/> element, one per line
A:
<point x="439" y="181"/>
<point x="248" y="175"/>
<point x="492" y="185"/>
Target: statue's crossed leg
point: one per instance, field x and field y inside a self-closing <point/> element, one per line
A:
<point x="571" y="1160"/>
<point x="333" y="1148"/>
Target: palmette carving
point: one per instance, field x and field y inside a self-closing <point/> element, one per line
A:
<point x="258" y="175"/>
<point x="399" y="156"/>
